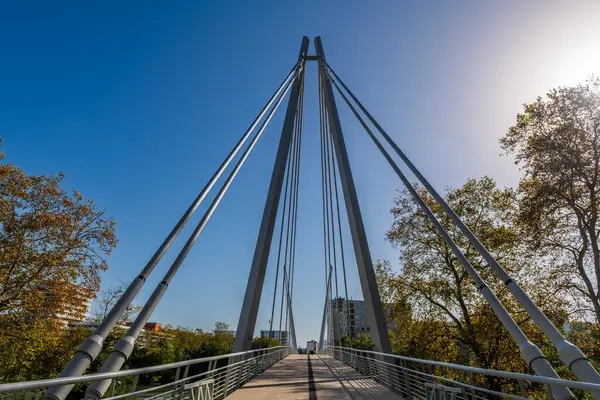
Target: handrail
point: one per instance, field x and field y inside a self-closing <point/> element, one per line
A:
<point x="492" y="372"/>
<point x="43" y="383"/>
<point x="466" y="385"/>
<point x="188" y="378"/>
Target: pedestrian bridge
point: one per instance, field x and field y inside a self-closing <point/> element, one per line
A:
<point x="301" y="376"/>
<point x="336" y="372"/>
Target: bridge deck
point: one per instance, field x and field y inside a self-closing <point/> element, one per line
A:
<point x="312" y="377"/>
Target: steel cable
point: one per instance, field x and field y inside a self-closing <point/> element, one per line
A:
<point x="287" y="234"/>
<point x="570" y="354"/>
<point x="91" y="346"/>
<point x="294" y="209"/>
<point x="283" y="214"/>
<point x="343" y="260"/>
<point x="124" y="347"/>
<point x="531" y="353"/>
<point x="287" y="252"/>
<point x="295" y="221"/>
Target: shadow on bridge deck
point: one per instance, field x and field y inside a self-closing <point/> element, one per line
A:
<point x="312" y="377"/>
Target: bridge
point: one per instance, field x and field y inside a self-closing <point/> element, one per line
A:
<point x="335" y="371"/>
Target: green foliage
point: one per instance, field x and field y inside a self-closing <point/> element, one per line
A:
<point x="345" y="341"/>
<point x="167" y="346"/>
<point x="432" y="300"/>
<point x="556" y="142"/>
<point x="264" y="342"/>
<point x="152" y="348"/>
<point x="586" y="336"/>
<point x="220" y="327"/>
<point x="362" y="343"/>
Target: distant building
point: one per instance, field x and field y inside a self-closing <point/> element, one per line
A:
<point x="153" y="327"/>
<point x="77" y="310"/>
<point x="351" y="321"/>
<point x="92" y="326"/>
<point x="355" y="325"/>
<point x="282" y="336"/>
<point x="312" y="346"/>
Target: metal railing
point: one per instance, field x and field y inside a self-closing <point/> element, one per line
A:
<point x="199" y="379"/>
<point x="432" y="380"/>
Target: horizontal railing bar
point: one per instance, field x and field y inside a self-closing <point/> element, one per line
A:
<point x="150" y="389"/>
<point x="502" y="374"/>
<point x="414" y="378"/>
<point x="480" y="389"/>
<point x="43" y="383"/>
<point x="221" y="372"/>
<point x="160" y="394"/>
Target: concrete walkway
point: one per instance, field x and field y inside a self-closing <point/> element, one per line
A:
<point x="312" y="377"/>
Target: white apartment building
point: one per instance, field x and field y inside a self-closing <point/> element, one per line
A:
<point x="355" y="325"/>
<point x="282" y="336"/>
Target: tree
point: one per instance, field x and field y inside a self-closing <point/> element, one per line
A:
<point x="440" y="312"/>
<point x="556" y="143"/>
<point x="422" y="336"/>
<point x="363" y="343"/>
<point x="53" y="245"/>
<point x="107" y="300"/>
<point x="220" y="327"/>
<point x="186" y="341"/>
<point x="264" y="342"/>
<point x="221" y="341"/>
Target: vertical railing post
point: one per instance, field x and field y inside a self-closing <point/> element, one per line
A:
<point x="263" y="360"/>
<point x="372" y="367"/>
<point x="113" y="382"/>
<point x="240" y="373"/>
<point x="250" y="367"/>
<point x="522" y="387"/>
<point x="227" y="373"/>
<point x="134" y="383"/>
<point x="180" y="388"/>
<point x="177" y="386"/>
<point x="360" y="363"/>
<point x="324" y="320"/>
<point x="398" y="377"/>
<point x="407" y="382"/>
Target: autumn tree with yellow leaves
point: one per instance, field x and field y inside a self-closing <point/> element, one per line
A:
<point x="53" y="245"/>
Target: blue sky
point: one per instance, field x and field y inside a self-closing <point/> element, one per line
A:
<point x="138" y="103"/>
